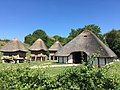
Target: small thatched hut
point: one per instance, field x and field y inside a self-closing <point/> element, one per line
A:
<point x="53" y="49"/>
<point x="14" y="50"/>
<point x="84" y="46"/>
<point x="38" y="50"/>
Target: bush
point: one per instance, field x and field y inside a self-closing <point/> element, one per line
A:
<point x="75" y="78"/>
<point x="85" y="79"/>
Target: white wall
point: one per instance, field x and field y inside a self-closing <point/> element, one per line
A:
<point x="65" y="60"/>
<point x="70" y="59"/>
<point x="102" y="61"/>
<point x="109" y="60"/>
<point x="95" y="62"/>
<point x="60" y="60"/>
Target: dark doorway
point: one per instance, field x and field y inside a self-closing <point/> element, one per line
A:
<point x="79" y="57"/>
<point x="55" y="58"/>
<point x="51" y="57"/>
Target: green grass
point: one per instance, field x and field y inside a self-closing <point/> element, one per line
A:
<point x="48" y="70"/>
<point x="113" y="70"/>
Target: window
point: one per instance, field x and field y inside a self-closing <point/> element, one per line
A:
<point x="85" y="36"/>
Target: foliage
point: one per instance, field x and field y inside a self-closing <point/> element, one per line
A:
<point x="3" y="42"/>
<point x="73" y="78"/>
<point x="86" y="78"/>
<point x="92" y="27"/>
<point x="113" y="40"/>
<point x="73" y="34"/>
<point x="59" y="38"/>
<point x="31" y="38"/>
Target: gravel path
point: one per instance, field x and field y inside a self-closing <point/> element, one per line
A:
<point x="62" y="65"/>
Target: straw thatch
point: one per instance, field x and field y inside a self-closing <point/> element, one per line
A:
<point x="38" y="45"/>
<point x="56" y="46"/>
<point x="86" y="42"/>
<point x="13" y="46"/>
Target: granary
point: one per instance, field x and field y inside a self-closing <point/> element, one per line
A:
<point x="14" y="51"/>
<point x="83" y="47"/>
<point x="38" y="50"/>
<point x="53" y="49"/>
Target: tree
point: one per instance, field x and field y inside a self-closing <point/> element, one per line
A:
<point x="73" y="34"/>
<point x="50" y="41"/>
<point x="92" y="27"/>
<point x="59" y="38"/>
<point x="113" y="40"/>
<point x="40" y="34"/>
<point x="31" y="38"/>
<point x="96" y="30"/>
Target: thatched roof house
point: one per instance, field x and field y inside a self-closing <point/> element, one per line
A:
<point x="38" y="45"/>
<point x="53" y="49"/>
<point x="56" y="46"/>
<point x="38" y="50"/>
<point x="84" y="45"/>
<point x="13" y="48"/>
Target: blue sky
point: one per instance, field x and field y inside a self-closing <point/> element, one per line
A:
<point x="19" y="18"/>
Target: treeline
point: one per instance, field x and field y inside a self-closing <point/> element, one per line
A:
<point x="111" y="39"/>
<point x="31" y="38"/>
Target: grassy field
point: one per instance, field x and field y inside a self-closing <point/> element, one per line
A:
<point x="48" y="70"/>
<point x="111" y="69"/>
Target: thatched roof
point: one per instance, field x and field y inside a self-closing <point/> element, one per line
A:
<point x="87" y="42"/>
<point x="13" y="46"/>
<point x="56" y="46"/>
<point x="38" y="45"/>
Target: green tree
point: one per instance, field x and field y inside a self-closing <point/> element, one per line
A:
<point x="59" y="38"/>
<point x="50" y="41"/>
<point x="113" y="40"/>
<point x="40" y="34"/>
<point x="31" y="38"/>
<point x="73" y="34"/>
<point x="92" y="27"/>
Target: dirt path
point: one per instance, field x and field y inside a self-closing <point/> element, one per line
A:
<point x="62" y="65"/>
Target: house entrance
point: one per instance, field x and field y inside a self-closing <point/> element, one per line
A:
<point x="79" y="57"/>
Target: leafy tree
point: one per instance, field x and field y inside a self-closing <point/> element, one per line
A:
<point x="96" y="30"/>
<point x="113" y="40"/>
<point x="73" y="34"/>
<point x="92" y="27"/>
<point x="59" y="38"/>
<point x="31" y="38"/>
<point x="50" y="41"/>
<point x="40" y="34"/>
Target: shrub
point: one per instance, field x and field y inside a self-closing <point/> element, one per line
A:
<point x="74" y="78"/>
